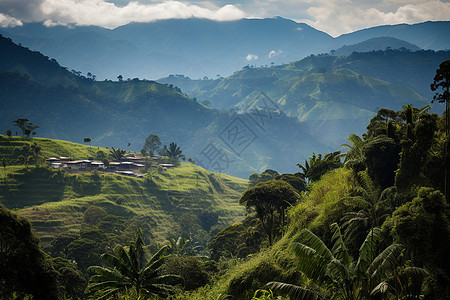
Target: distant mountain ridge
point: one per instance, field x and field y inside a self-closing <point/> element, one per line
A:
<point x="114" y="114"/>
<point x="375" y="44"/>
<point x="200" y="47"/>
<point x="332" y="95"/>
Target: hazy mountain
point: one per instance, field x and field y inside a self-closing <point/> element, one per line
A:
<point x="327" y="92"/>
<point x="196" y="47"/>
<point x="375" y="44"/>
<point x="428" y="35"/>
<point x="113" y="114"/>
<point x="199" y="47"/>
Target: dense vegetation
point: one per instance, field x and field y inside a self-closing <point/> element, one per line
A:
<point x="370" y="223"/>
<point x="388" y="197"/>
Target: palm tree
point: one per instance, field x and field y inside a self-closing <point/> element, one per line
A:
<point x="117" y="154"/>
<point x="128" y="270"/>
<point x="372" y="206"/>
<point x="173" y="151"/>
<point x="318" y="165"/>
<point x="346" y="279"/>
<point x="354" y="154"/>
<point x="184" y="247"/>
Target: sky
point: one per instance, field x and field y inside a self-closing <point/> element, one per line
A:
<point x="334" y="17"/>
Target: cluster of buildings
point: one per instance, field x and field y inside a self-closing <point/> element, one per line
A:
<point x="131" y="166"/>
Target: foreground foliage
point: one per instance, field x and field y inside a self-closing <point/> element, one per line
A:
<point x="345" y="278"/>
<point x="128" y="271"/>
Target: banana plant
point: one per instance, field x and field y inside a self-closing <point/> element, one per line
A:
<point x="340" y="276"/>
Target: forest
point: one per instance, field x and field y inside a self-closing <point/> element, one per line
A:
<point x="370" y="222"/>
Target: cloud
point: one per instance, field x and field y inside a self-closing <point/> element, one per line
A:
<point x="110" y="15"/>
<point x="7" y="21"/>
<point x="332" y="16"/>
<point x="274" y="53"/>
<point x="336" y="17"/>
<point x="251" y="57"/>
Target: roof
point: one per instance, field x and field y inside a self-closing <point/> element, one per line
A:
<point x="73" y="162"/>
<point x="167" y="165"/>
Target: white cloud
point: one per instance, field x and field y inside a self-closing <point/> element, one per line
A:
<point x="101" y="13"/>
<point x="336" y="18"/>
<point x="7" y="21"/>
<point x="274" y="53"/>
<point x="251" y="57"/>
<point x="332" y="16"/>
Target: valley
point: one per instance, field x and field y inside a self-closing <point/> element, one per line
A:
<point x="262" y="159"/>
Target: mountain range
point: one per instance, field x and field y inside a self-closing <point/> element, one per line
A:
<point x="114" y="114"/>
<point x="200" y="47"/>
<point x="259" y="117"/>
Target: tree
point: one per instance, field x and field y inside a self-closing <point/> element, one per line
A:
<point x="424" y="227"/>
<point x="354" y="156"/>
<point x="381" y="157"/>
<point x="295" y="180"/>
<point x="372" y="207"/>
<point x="24" y="267"/>
<point x="26" y="126"/>
<point x="9" y="133"/>
<point x="152" y="144"/>
<point x="129" y="270"/>
<point x="120" y="78"/>
<point x="319" y="165"/>
<point x="184" y="247"/>
<point x="270" y="200"/>
<point x="174" y="152"/>
<point x="335" y="270"/>
<point x="256" y="178"/>
<point x="117" y="154"/>
<point x="87" y="140"/>
<point x="441" y="81"/>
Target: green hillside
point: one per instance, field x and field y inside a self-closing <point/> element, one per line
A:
<point x="55" y="200"/>
<point x="124" y="113"/>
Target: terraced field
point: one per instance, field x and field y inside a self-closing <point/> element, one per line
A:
<point x="162" y="201"/>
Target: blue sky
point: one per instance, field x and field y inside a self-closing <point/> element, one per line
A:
<point x="332" y="16"/>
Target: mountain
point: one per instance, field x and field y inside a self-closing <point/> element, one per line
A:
<point x="375" y="44"/>
<point x="196" y="47"/>
<point x="200" y="47"/>
<point x="427" y="35"/>
<point x="331" y="95"/>
<point x="113" y="114"/>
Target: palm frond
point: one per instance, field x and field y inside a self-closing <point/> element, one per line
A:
<point x="293" y="291"/>
<point x="337" y="270"/>
<point x="386" y="261"/>
<point x="367" y="250"/>
<point x="309" y="262"/>
<point x="310" y="239"/>
<point x="381" y="288"/>
<point x="339" y="249"/>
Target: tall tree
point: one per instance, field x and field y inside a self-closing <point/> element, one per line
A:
<point x="25" y="126"/>
<point x="441" y="84"/>
<point x="128" y="269"/>
<point x="269" y="200"/>
<point x="87" y="140"/>
<point x="151" y="145"/>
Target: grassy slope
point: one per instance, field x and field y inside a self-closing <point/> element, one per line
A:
<point x="316" y="211"/>
<point x="55" y="201"/>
